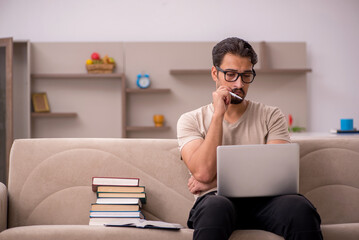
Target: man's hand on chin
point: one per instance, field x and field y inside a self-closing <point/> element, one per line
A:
<point x="196" y="187"/>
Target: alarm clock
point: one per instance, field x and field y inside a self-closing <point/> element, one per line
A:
<point x="143" y="80"/>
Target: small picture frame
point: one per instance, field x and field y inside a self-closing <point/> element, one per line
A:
<point x="40" y="102"/>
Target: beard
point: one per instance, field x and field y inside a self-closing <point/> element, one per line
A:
<point x="237" y="100"/>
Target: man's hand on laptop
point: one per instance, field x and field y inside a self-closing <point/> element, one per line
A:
<point x="196" y="187"/>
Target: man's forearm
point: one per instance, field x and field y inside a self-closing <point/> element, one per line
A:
<point x="197" y="187"/>
<point x="203" y="161"/>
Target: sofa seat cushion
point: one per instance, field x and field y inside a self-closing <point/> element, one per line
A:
<point x="347" y="231"/>
<point x="72" y="232"/>
<point x="75" y="232"/>
<point x="254" y="235"/>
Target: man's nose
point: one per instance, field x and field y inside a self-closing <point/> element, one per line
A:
<point x="238" y="84"/>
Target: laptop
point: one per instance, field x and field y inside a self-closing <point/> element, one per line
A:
<point x="258" y="170"/>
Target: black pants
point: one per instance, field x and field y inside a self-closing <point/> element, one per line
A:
<point x="290" y="216"/>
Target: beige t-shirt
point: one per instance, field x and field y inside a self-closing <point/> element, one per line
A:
<point x="258" y="125"/>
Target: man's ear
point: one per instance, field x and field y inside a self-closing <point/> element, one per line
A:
<point x="214" y="73"/>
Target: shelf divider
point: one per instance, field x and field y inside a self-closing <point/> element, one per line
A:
<point x="289" y="70"/>
<point x="54" y="115"/>
<point x="75" y="75"/>
<point x="148" y="90"/>
<point x="190" y="71"/>
<point x="146" y="128"/>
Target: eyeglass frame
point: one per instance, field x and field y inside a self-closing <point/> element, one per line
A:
<point x="238" y="74"/>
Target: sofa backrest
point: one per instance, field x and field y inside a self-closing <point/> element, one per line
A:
<point x="329" y="177"/>
<point x="50" y="179"/>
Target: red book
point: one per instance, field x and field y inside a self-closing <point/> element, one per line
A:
<point x="114" y="181"/>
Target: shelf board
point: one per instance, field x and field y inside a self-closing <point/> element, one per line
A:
<point x="190" y="71"/>
<point x="289" y="70"/>
<point x="146" y="128"/>
<point x="148" y="90"/>
<point x="208" y="71"/>
<point x="75" y="75"/>
<point x="53" y="115"/>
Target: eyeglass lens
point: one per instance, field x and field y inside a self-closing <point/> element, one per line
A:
<point x="233" y="76"/>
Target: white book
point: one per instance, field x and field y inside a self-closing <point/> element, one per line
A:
<point x="142" y="223"/>
<point x="118" y="214"/>
<point x="124" y="201"/>
<point x="113" y="181"/>
<point x="103" y="221"/>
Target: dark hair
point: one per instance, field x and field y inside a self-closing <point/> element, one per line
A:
<point x="234" y="46"/>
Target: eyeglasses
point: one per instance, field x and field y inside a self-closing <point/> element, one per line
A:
<point x="232" y="76"/>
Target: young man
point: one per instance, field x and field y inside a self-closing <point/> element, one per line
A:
<point x="229" y="120"/>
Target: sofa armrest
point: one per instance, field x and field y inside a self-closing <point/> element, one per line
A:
<point x="3" y="207"/>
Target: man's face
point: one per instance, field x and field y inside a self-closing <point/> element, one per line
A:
<point x="233" y="63"/>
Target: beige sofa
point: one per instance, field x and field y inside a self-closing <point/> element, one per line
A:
<point x="49" y="191"/>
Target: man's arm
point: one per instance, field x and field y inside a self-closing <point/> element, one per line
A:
<point x="200" y="155"/>
<point x="196" y="187"/>
<point x="277" y="128"/>
<point x="277" y="142"/>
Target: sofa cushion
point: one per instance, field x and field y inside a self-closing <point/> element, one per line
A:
<point x="329" y="178"/>
<point x="75" y="232"/>
<point x="254" y="235"/>
<point x="347" y="231"/>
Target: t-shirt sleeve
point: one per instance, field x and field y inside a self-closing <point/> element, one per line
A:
<point x="277" y="126"/>
<point x="187" y="129"/>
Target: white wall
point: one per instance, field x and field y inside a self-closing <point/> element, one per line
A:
<point x="330" y="28"/>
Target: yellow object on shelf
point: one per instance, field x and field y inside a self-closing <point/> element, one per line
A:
<point x="158" y="120"/>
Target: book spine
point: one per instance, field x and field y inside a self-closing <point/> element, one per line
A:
<point x="116" y="195"/>
<point x="114" y="207"/>
<point x="123" y="189"/>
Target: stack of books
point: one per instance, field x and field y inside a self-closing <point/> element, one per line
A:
<point x="117" y="199"/>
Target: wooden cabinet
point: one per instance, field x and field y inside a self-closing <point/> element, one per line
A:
<point x="180" y="82"/>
